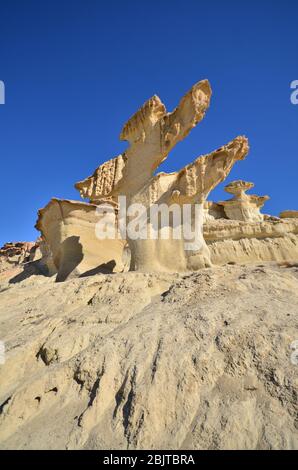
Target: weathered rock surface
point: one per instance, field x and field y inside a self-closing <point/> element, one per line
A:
<point x="213" y="211"/>
<point x="191" y="185"/>
<point x="152" y="133"/>
<point x="242" y="206"/>
<point x="251" y="242"/>
<point x="289" y="215"/>
<point x="69" y="228"/>
<point x="20" y="260"/>
<point x="154" y="361"/>
<point x="15" y="253"/>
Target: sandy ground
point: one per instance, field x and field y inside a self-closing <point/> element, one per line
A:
<point x="155" y="361"/>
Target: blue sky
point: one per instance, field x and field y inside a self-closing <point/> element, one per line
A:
<point x="75" y="71"/>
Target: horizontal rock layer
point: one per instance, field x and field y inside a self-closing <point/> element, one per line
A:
<point x="249" y="242"/>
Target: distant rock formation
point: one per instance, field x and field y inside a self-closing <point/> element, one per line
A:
<point x="289" y="215"/>
<point x="16" y="253"/>
<point x="243" y="206"/>
<point x="19" y="260"/>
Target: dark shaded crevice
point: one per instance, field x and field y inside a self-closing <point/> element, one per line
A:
<point x="71" y="255"/>
<point x="54" y="390"/>
<point x="95" y="388"/>
<point x="166" y="293"/>
<point x="93" y="393"/>
<point x="155" y="360"/>
<point x="2" y="406"/>
<point x="120" y="395"/>
<point x="128" y="407"/>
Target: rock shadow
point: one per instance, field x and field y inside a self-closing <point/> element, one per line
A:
<point x="70" y="256"/>
<point x="29" y="269"/>
<point x="105" y="268"/>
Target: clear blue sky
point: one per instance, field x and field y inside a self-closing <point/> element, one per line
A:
<point x="76" y="70"/>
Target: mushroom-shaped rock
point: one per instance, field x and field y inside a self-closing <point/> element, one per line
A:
<point x="242" y="206"/>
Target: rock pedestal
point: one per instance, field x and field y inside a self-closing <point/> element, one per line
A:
<point x="243" y="206"/>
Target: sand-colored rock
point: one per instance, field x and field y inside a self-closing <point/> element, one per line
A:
<point x="19" y="260"/>
<point x="213" y="211"/>
<point x="102" y="182"/>
<point x="191" y="185"/>
<point x="242" y="206"/>
<point x="151" y="361"/>
<point x="43" y="258"/>
<point x="289" y="215"/>
<point x="249" y="242"/>
<point x="152" y="133"/>
<point x="69" y="228"/>
<point x="15" y="253"/>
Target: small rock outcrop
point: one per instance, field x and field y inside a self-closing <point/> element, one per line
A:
<point x="14" y="255"/>
<point x="17" y="252"/>
<point x="23" y="259"/>
<point x="242" y="206"/>
<point x="289" y="215"/>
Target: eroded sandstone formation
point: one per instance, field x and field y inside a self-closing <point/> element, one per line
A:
<point x="191" y="185"/>
<point x="152" y="133"/>
<point x="233" y="241"/>
<point x="17" y="252"/>
<point x="19" y="260"/>
<point x="242" y="206"/>
<point x="289" y="215"/>
<point x="70" y="227"/>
